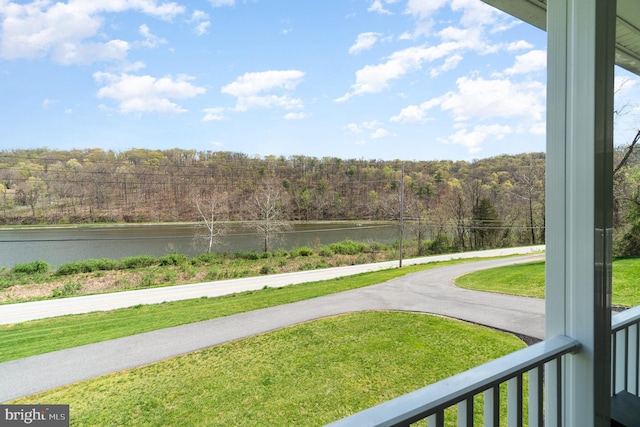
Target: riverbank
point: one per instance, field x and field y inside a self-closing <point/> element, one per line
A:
<point x="59" y="245"/>
<point x="37" y="281"/>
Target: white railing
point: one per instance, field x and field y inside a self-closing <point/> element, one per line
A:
<point x="625" y="357"/>
<point x="460" y="390"/>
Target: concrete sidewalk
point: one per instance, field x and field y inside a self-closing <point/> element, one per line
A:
<point x="429" y="291"/>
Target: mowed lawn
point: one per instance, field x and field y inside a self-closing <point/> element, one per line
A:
<point x="45" y="335"/>
<point x="305" y="375"/>
<point x="529" y="280"/>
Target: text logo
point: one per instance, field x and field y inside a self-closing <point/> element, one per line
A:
<point x="34" y="415"/>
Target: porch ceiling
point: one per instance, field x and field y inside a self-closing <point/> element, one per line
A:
<point x="627" y="25"/>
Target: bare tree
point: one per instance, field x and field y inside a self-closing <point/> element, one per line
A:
<point x="210" y="212"/>
<point x="270" y="212"/>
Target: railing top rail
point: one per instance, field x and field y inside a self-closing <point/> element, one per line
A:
<point x="413" y="406"/>
<point x="625" y="318"/>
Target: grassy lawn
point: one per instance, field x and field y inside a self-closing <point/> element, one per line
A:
<point x="304" y="375"/>
<point x="528" y="280"/>
<point x="42" y="336"/>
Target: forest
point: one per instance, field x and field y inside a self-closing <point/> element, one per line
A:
<point x="492" y="202"/>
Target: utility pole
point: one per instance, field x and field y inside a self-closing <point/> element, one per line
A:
<point x="401" y="211"/>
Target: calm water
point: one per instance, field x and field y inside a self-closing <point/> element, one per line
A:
<point x="59" y="245"/>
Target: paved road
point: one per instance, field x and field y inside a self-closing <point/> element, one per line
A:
<point x="429" y="291"/>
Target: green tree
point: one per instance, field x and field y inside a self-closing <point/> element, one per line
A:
<point x="486" y="223"/>
<point x="34" y="190"/>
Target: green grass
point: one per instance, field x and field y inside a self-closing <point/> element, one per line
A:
<point x="520" y="279"/>
<point x="41" y="336"/>
<point x="528" y="280"/>
<point x="304" y="375"/>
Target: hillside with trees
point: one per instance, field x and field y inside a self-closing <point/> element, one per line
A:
<point x="491" y="202"/>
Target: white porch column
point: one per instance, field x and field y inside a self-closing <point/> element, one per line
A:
<point x="579" y="191"/>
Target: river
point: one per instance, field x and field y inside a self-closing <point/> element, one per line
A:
<point x="58" y="245"/>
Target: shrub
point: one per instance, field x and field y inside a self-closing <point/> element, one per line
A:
<point x="213" y="274"/>
<point x="302" y="251"/>
<point x="138" y="262"/>
<point x="267" y="269"/>
<point x="87" y="266"/>
<point x="169" y="276"/>
<point x="69" y="288"/>
<point x="312" y="266"/>
<point x="349" y="247"/>
<point x="68" y="268"/>
<point x="251" y="255"/>
<point x="103" y="264"/>
<point x="326" y="251"/>
<point x="207" y="258"/>
<point x="439" y="245"/>
<point x="148" y="280"/>
<point x="31" y="268"/>
<point x="173" y="259"/>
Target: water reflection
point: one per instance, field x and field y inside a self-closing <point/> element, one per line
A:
<point x="64" y="244"/>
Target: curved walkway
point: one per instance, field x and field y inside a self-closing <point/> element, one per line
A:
<point x="429" y="291"/>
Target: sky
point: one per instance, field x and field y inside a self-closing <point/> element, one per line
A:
<point x="371" y="79"/>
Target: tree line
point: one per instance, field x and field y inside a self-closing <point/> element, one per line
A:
<point x="493" y="202"/>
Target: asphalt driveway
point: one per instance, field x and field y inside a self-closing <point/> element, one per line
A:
<point x="429" y="291"/>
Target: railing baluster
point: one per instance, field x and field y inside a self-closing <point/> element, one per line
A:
<point x="553" y="387"/>
<point x="632" y="359"/>
<point x="636" y="347"/>
<point x="437" y="419"/>
<point x="626" y="352"/>
<point x="535" y="397"/>
<point x="492" y="407"/>
<point x="514" y="401"/>
<point x="559" y="386"/>
<point x="619" y="360"/>
<point x="614" y="361"/>
<point x="465" y="413"/>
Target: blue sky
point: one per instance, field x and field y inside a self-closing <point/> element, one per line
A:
<point x="373" y="79"/>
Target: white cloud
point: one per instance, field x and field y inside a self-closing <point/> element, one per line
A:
<point x="213" y="114"/>
<point x="473" y="139"/>
<point x="449" y="64"/>
<point x="376" y="78"/>
<point x="476" y="13"/>
<point x="533" y="61"/>
<point x="371" y="124"/>
<point x="364" y="41"/>
<point x="424" y="9"/>
<point x="482" y="99"/>
<point x="65" y="30"/>
<point x="47" y="102"/>
<point x="353" y="128"/>
<point x="518" y="45"/>
<point x="412" y="114"/>
<point x="252" y="90"/>
<point x="151" y="40"/>
<point x="295" y="116"/>
<point x="219" y="3"/>
<point x="377" y="7"/>
<point x="379" y="133"/>
<point x="143" y="94"/>
<point x="201" y="21"/>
